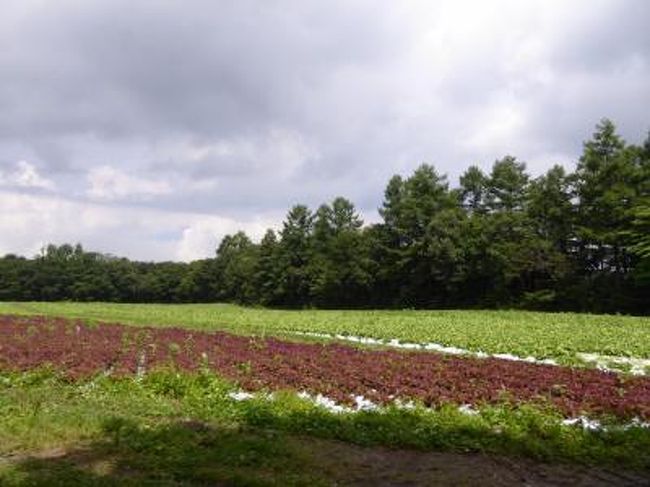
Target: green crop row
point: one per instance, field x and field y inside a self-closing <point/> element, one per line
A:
<point x="542" y="335"/>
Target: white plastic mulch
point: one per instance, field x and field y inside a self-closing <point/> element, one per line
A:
<point x="637" y="366"/>
<point x="430" y="346"/>
<point x="609" y="363"/>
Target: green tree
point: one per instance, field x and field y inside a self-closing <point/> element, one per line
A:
<point x="606" y="192"/>
<point x="550" y="207"/>
<point x="609" y="181"/>
<point x="339" y="266"/>
<point x="196" y="284"/>
<point x="473" y="189"/>
<point x="639" y="231"/>
<point x="235" y="265"/>
<point x="267" y="270"/>
<point x="293" y="257"/>
<point x="506" y="187"/>
<point x="408" y="208"/>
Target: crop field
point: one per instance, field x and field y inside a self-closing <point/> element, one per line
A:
<point x="339" y="372"/>
<point x="558" y="336"/>
<point x="194" y="394"/>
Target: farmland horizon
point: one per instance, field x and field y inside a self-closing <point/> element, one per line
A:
<point x="321" y="243"/>
<point x="571" y="241"/>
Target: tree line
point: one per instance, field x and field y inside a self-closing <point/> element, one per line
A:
<point x="562" y="241"/>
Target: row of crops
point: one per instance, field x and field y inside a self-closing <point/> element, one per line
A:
<point x="567" y="338"/>
<point x="338" y="372"/>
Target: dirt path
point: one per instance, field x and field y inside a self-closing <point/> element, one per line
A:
<point x="360" y="466"/>
<point x="341" y="464"/>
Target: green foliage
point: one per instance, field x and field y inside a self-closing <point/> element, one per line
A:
<point x="473" y="189"/>
<point x="110" y="431"/>
<point x="640" y="238"/>
<point x="293" y="257"/>
<point x="265" y="277"/>
<point x="235" y="264"/>
<point x="506" y="187"/>
<point x="553" y="335"/>
<point x="339" y="267"/>
<point x="550" y="207"/>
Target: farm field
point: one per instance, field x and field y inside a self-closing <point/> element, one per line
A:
<point x="198" y="394"/>
<point x="558" y="336"/>
<point x="344" y="374"/>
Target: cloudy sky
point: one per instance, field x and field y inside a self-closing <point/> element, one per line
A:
<point x="150" y="129"/>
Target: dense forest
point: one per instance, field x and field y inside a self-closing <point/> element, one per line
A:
<point x="561" y="241"/>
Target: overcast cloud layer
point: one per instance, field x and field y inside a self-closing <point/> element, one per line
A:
<point x="151" y="129"/>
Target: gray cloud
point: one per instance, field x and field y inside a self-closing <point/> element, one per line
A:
<point x="193" y="67"/>
<point x="226" y="113"/>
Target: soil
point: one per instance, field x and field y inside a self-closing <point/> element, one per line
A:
<point x="343" y="464"/>
<point x="350" y="465"/>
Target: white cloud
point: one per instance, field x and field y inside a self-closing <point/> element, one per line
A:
<point x="27" y="222"/>
<point x="108" y="183"/>
<point x="202" y="236"/>
<point x="25" y="175"/>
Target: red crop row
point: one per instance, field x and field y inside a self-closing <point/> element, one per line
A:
<point x="334" y="370"/>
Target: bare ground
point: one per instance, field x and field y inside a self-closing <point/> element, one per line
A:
<point x="361" y="466"/>
<point x="342" y="464"/>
